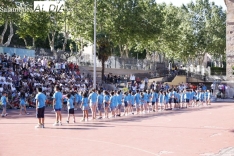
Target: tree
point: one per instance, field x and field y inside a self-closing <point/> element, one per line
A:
<point x="104" y="46"/>
<point x="7" y="18"/>
<point x="205" y="26"/>
<point x="33" y="24"/>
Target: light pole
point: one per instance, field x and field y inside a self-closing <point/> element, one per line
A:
<point x="137" y="62"/>
<point x="94" y="48"/>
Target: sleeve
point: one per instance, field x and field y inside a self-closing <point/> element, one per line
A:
<point x="53" y="96"/>
<point x="36" y="97"/>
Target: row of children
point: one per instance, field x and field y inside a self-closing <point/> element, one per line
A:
<point x="22" y="103"/>
<point x="142" y="102"/>
<point x="139" y="102"/>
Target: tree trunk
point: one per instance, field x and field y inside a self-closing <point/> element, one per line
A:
<point x="65" y="41"/>
<point x="33" y="42"/>
<point x="3" y="32"/>
<point x="121" y="51"/>
<point x="126" y="51"/>
<point x="8" y="42"/>
<point x="25" y="42"/>
<point x="103" y="69"/>
<point x="82" y="47"/>
<point x="51" y="41"/>
<point x="160" y="57"/>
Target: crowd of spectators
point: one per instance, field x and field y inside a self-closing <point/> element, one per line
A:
<point x="25" y="74"/>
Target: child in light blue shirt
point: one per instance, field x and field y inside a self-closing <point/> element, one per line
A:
<point x="70" y="108"/>
<point x="4" y="103"/>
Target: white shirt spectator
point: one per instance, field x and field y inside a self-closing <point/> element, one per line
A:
<point x="43" y="62"/>
<point x="13" y="89"/>
<point x="212" y="86"/>
<point x="63" y="65"/>
<point x="132" y="78"/>
<point x="142" y="86"/>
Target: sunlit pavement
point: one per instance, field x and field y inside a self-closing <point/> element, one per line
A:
<point x="207" y="131"/>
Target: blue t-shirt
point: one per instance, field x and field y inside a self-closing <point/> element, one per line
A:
<point x="177" y="96"/>
<point x="79" y="98"/>
<point x="112" y="101"/>
<point x="208" y="95"/>
<point x="166" y="98"/>
<point x="4" y="100"/>
<point x="132" y="99"/>
<point x="137" y="98"/>
<point x="106" y="98"/>
<point x="115" y="100"/>
<point x="201" y="96"/>
<point x="100" y="99"/>
<point x="41" y="98"/>
<point x="58" y="100"/>
<point x="22" y="101"/>
<point x="126" y="99"/>
<point x="187" y="95"/>
<point x="73" y="97"/>
<point x="161" y="98"/>
<point x="119" y="99"/>
<point x="93" y="97"/>
<point x="145" y="98"/>
<point x="76" y="97"/>
<point x="149" y="97"/>
<point x="204" y="88"/>
<point x="85" y="102"/>
<point x="70" y="104"/>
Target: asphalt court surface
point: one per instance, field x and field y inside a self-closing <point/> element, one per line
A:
<point x="207" y="131"/>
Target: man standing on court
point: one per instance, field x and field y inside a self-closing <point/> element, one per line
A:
<point x="57" y="104"/>
<point x="40" y="108"/>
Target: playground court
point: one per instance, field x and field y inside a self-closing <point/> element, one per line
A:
<point x="206" y="131"/>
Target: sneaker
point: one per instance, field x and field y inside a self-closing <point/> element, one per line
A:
<point x="27" y="113"/>
<point x="6" y="114"/>
<point x="68" y="122"/>
<point x="56" y="124"/>
<point x="38" y="126"/>
<point x="42" y="126"/>
<point x="74" y="121"/>
<point x="60" y="123"/>
<point x="82" y="120"/>
<point x="100" y="117"/>
<point x="3" y="115"/>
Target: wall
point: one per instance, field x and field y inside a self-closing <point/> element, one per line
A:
<point x="17" y="51"/>
<point x="230" y="39"/>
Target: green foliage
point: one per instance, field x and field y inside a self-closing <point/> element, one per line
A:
<point x="203" y="29"/>
<point x="34" y="25"/>
<point x="133" y="26"/>
<point x="218" y="71"/>
<point x="217" y="68"/>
